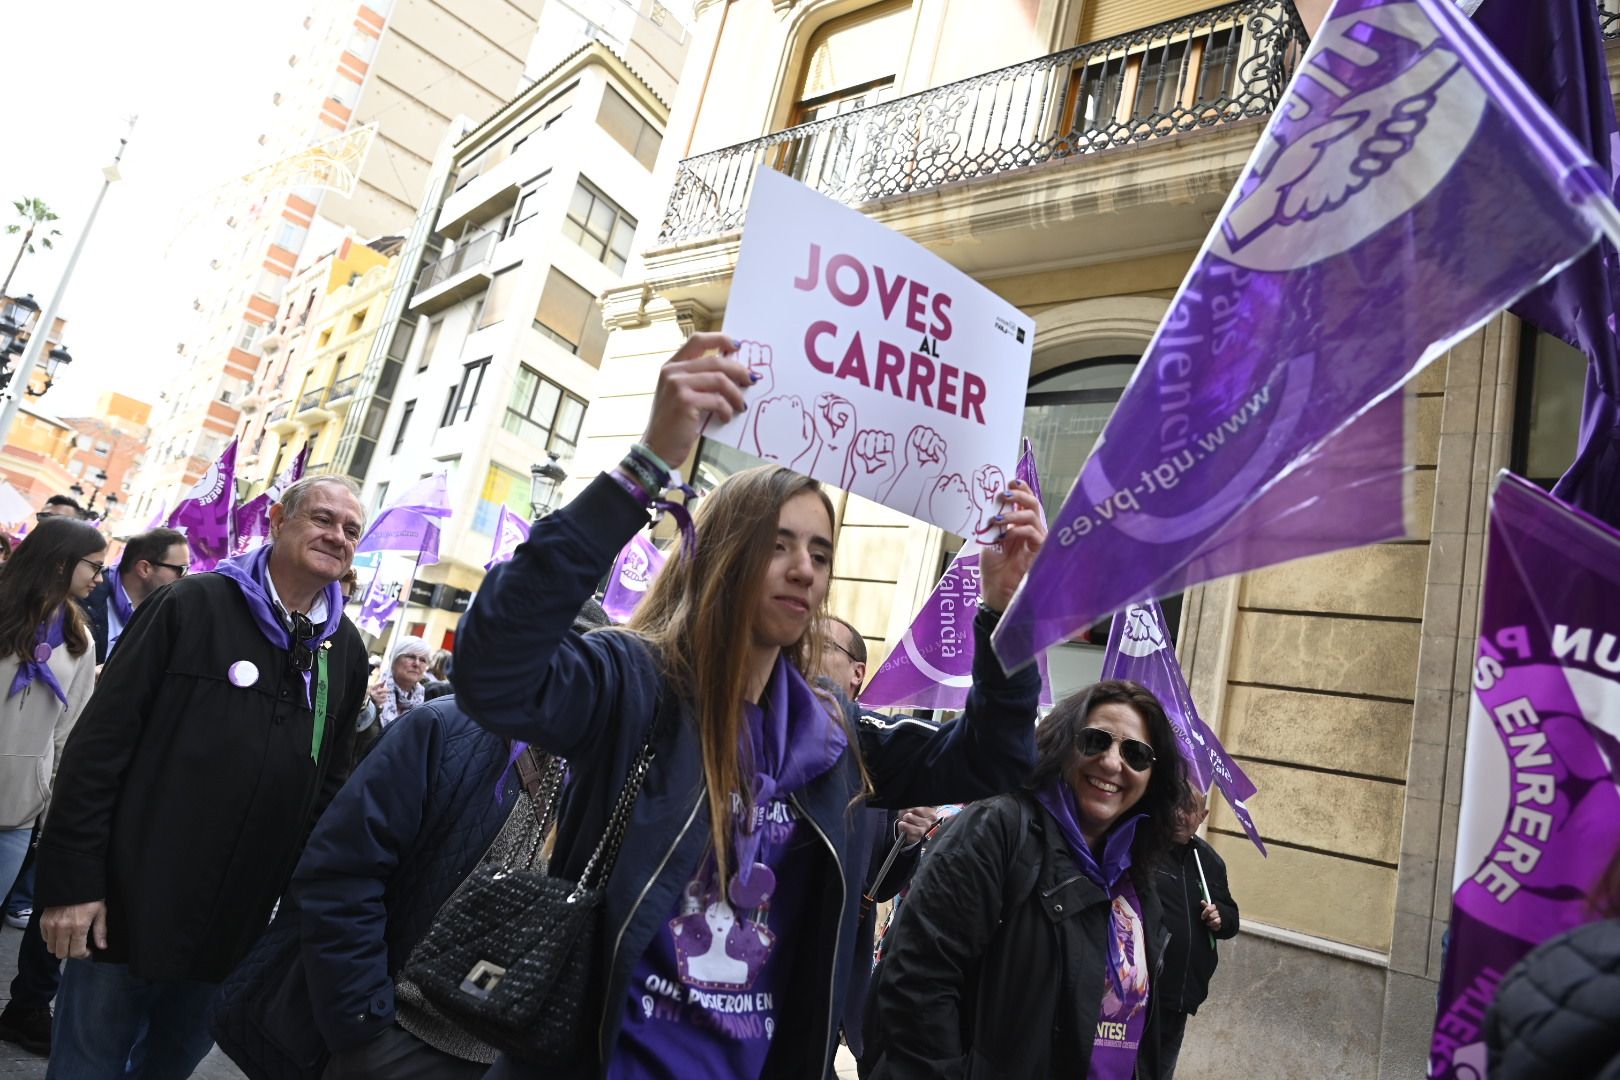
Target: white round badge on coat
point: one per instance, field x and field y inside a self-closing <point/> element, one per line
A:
<point x="244" y="673"/>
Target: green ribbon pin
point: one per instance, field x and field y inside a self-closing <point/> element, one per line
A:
<point x="320" y="705"/>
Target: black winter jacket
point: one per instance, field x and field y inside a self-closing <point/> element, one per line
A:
<point x="184" y="800"/>
<point x="591" y="699"/>
<point x="994" y="968"/>
<point x="1557" y="1012"/>
<point x="410" y="824"/>
<point x="1190" y="957"/>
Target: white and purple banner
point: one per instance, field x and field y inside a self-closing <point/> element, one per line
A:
<point x="1406" y="191"/>
<point x="880" y="368"/>
<point x="251" y="520"/>
<point x="632" y="575"/>
<point x="205" y="512"/>
<point x="510" y="531"/>
<point x="383" y="597"/>
<point x="931" y="667"/>
<point x="1541" y="780"/>
<point x="410" y="523"/>
<point x="1139" y="649"/>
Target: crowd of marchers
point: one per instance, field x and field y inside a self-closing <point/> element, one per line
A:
<point x="673" y="848"/>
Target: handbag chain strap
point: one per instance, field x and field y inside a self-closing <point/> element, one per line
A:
<point x="607" y="850"/>
<point x="542" y="775"/>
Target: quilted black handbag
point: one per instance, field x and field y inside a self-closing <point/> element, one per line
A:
<point x="510" y="955"/>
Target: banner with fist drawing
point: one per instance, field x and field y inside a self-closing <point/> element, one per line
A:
<point x="879" y="367"/>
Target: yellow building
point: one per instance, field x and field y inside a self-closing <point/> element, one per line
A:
<point x="1071" y="155"/>
<point x="317" y="380"/>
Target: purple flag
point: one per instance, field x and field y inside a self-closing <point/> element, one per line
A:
<point x="1557" y="47"/>
<point x="409" y="523"/>
<point x="1541" y="780"/>
<point x="1407" y="190"/>
<point x="510" y="531"/>
<point x="932" y="665"/>
<point x="380" y="604"/>
<point x="398" y="529"/>
<point x="632" y="575"/>
<point x="1139" y="649"/>
<point x="252" y="518"/>
<point x="157" y="519"/>
<point x="205" y="512"/>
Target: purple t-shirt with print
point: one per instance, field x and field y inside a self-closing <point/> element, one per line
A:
<point x="1125" y="989"/>
<point x="702" y="1001"/>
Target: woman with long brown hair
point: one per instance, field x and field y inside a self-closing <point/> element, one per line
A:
<point x="730" y="913"/>
<point x="47" y="671"/>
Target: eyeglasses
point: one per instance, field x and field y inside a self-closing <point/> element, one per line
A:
<point x="100" y="568"/>
<point x="180" y="571"/>
<point x="1137" y="754"/>
<point x="843" y="650"/>
<point x="303" y="657"/>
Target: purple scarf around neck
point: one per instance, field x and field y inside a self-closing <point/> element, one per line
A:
<point x="251" y="572"/>
<point x="791" y="740"/>
<point x="52" y="633"/>
<point x="118" y="596"/>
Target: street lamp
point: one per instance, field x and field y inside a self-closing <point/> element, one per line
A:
<point x="56" y="358"/>
<point x="100" y="479"/>
<point x="544" y="480"/>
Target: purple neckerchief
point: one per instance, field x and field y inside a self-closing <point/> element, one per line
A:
<point x="1061" y="802"/>
<point x="51" y="634"/>
<point x="251" y="573"/>
<point x="792" y="740"/>
<point x="120" y="599"/>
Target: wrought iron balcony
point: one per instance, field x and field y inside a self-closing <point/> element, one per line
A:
<point x="343" y="388"/>
<point x="1221" y="65"/>
<point x="278" y="413"/>
<point x="311" y="399"/>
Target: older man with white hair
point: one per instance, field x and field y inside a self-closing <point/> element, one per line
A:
<point x="222" y="726"/>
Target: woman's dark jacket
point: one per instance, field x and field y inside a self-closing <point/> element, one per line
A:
<point x="995" y="964"/>
<point x="183" y="800"/>
<point x="1190" y="957"/>
<point x="592" y="699"/>
<point x="410" y="824"/>
<point x="1557" y="1013"/>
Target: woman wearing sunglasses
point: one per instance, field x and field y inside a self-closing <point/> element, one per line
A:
<point x="1028" y="942"/>
<point x="47" y="672"/>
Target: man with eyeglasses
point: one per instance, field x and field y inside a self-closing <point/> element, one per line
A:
<point x="221" y="727"/>
<point x="60" y="506"/>
<point x="150" y="561"/>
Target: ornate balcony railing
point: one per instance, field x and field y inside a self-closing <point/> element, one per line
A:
<point x="343" y="388"/>
<point x="468" y="254"/>
<point x="1212" y="68"/>
<point x="1609" y="17"/>
<point x="278" y="413"/>
<point x="311" y="399"/>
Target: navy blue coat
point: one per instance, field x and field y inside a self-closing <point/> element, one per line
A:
<point x="521" y="672"/>
<point x="95" y="613"/>
<point x="411" y="823"/>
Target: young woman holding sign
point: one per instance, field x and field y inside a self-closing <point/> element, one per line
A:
<point x="729" y="935"/>
<point x="1027" y="945"/>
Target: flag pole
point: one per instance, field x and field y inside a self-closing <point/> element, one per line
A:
<point x="1203" y="887"/>
<point x="410" y="583"/>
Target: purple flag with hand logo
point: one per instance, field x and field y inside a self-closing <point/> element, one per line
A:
<point x="205" y="512"/>
<point x="252" y="518"/>
<point x="1139" y="649"/>
<point x="1541" y="779"/>
<point x="632" y="575"/>
<point x="1406" y="191"/>
<point x="380" y="604"/>
<point x="510" y="531"/>
<point x="932" y="665"/>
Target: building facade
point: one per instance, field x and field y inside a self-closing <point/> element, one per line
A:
<point x="109" y="449"/>
<point x="1071" y="156"/>
<point x="406" y="68"/>
<point x="488" y="366"/>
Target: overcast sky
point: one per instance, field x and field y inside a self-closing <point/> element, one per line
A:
<point x="200" y="76"/>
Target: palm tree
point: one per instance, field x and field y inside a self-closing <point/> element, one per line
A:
<point x="33" y="213"/>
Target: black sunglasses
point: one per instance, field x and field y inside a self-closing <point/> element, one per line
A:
<point x="180" y="570"/>
<point x="303" y="657"/>
<point x="1137" y="754"/>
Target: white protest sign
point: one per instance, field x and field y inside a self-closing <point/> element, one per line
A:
<point x="882" y="369"/>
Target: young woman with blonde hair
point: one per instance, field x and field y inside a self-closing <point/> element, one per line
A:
<point x="731" y="911"/>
